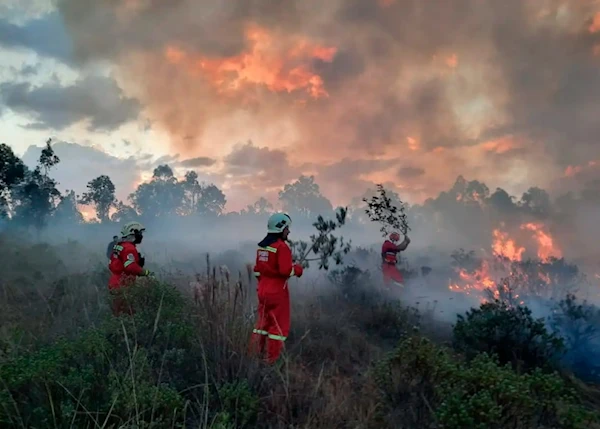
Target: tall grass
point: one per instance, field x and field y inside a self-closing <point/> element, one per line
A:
<point x="181" y="361"/>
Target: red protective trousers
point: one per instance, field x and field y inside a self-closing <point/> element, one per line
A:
<point x="272" y="325"/>
<point x="391" y="274"/>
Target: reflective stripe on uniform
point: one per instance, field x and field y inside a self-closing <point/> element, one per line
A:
<point x="128" y="263"/>
<point x="117" y="247"/>
<point x="277" y="337"/>
<point x="256" y="274"/>
<point x="269" y="249"/>
<point x="293" y="273"/>
<point x="271" y="336"/>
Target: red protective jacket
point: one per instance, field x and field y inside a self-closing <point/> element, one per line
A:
<point x="274" y="266"/>
<point x="124" y="265"/>
<point x="389" y="252"/>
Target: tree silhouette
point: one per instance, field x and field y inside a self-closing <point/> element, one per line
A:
<point x="123" y="213"/>
<point x="12" y="172"/>
<point x="192" y="192"/>
<point x="101" y="193"/>
<point x="162" y="196"/>
<point x="537" y="202"/>
<point x="66" y="211"/>
<point x="212" y="201"/>
<point x="36" y="197"/>
<point x="304" y="197"/>
<point x="261" y="207"/>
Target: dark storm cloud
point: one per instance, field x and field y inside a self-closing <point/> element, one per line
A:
<point x="201" y="161"/>
<point x="54" y="106"/>
<point x="46" y="36"/>
<point x="410" y="172"/>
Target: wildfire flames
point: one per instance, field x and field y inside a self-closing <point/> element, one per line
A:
<point x="263" y="64"/>
<point x="546" y="248"/>
<point x="486" y="280"/>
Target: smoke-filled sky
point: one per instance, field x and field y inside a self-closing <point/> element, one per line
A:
<point x="252" y="93"/>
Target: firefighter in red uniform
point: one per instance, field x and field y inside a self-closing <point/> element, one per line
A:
<point x="273" y="268"/>
<point x="389" y="254"/>
<point x="125" y="265"/>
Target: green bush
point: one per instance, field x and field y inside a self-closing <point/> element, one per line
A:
<point x="579" y="325"/>
<point x="238" y="406"/>
<point x="425" y="385"/>
<point x="511" y="333"/>
<point x="129" y="370"/>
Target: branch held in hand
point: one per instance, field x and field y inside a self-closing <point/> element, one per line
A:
<point x="324" y="245"/>
<point x="381" y="209"/>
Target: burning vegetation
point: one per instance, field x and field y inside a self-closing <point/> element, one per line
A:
<point x="505" y="274"/>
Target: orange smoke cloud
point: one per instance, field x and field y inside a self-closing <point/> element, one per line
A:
<point x="573" y="170"/>
<point x="385" y="3"/>
<point x="264" y="63"/>
<point x="595" y="25"/>
<point x="501" y="145"/>
<point x="452" y="61"/>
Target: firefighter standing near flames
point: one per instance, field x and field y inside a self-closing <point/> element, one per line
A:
<point x="274" y="266"/>
<point x="125" y="265"/>
<point x="389" y="254"/>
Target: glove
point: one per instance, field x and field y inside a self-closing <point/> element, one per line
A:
<point x="298" y="270"/>
<point x="147" y="273"/>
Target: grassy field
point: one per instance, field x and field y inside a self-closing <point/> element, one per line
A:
<point x="353" y="360"/>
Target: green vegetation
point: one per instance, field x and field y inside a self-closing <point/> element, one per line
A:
<point x="181" y="364"/>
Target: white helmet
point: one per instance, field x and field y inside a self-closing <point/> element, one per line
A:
<point x="131" y="228"/>
<point x="278" y="222"/>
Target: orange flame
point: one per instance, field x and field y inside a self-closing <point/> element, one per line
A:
<point x="506" y="247"/>
<point x="263" y="64"/>
<point x="487" y="277"/>
<point x="413" y="144"/>
<point x="546" y="247"/>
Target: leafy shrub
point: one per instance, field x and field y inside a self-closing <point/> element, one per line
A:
<point x="424" y="385"/>
<point x="238" y="405"/>
<point x="579" y="325"/>
<point x="511" y="333"/>
<point x="355" y="284"/>
<point x="128" y="370"/>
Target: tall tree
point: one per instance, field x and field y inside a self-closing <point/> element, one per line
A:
<point x="36" y="197"/>
<point x="261" y="207"/>
<point x="192" y="190"/>
<point x="101" y="193"/>
<point x="537" y="202"/>
<point x="12" y="172"/>
<point x="212" y="201"/>
<point x="163" y="195"/>
<point x="304" y="197"/>
<point x="66" y="211"/>
<point x="124" y="213"/>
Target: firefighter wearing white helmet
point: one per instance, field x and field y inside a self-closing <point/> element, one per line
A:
<point x="278" y="222"/>
<point x="273" y="268"/>
<point x="126" y="264"/>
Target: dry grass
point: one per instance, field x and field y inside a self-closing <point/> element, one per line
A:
<point x="324" y="379"/>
